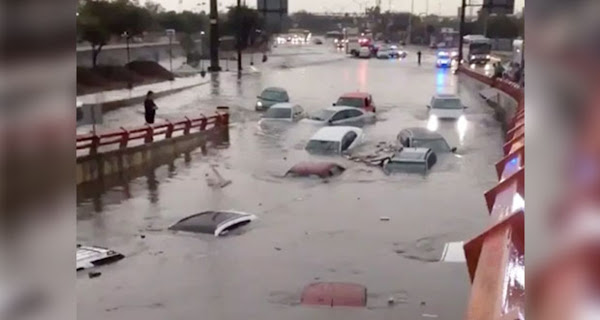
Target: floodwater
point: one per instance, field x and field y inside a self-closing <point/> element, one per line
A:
<point x="307" y="230"/>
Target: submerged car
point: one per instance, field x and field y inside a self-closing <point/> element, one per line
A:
<point x="341" y="115"/>
<point x="423" y="138"/>
<point x="334" y="140"/>
<point x="365" y="52"/>
<point x="318" y="169"/>
<point x="361" y="100"/>
<point x="446" y="106"/>
<point x="271" y="96"/>
<point x="411" y="160"/>
<point x="284" y="112"/>
<point x="217" y="223"/>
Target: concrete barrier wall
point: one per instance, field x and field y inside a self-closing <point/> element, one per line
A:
<point x="105" y="165"/>
<point x="118" y="56"/>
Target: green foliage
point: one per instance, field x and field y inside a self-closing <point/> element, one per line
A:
<point x="243" y="22"/>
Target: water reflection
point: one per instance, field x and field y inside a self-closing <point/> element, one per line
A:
<point x="152" y="184"/>
<point x="433" y="123"/>
<point x="461" y="126"/>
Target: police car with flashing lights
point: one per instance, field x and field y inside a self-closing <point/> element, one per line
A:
<point x="444" y="59"/>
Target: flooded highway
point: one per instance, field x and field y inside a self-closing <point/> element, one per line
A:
<point x="308" y="230"/>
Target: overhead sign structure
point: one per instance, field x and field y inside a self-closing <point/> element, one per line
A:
<point x="274" y="13"/>
<point x="499" y="6"/>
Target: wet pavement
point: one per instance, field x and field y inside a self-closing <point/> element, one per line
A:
<point x="307" y="230"/>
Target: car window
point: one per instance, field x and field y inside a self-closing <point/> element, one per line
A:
<point x="341" y="115"/>
<point x="274" y="95"/>
<point x="323" y="147"/>
<point x="322" y="115"/>
<point x="350" y="102"/>
<point x="278" y="113"/>
<point x="353" y="113"/>
<point x="348" y="140"/>
<point x="451" y="103"/>
<point x="411" y="167"/>
<point x="431" y="160"/>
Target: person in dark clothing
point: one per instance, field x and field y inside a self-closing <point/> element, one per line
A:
<point x="419" y="57"/>
<point x="150" y="108"/>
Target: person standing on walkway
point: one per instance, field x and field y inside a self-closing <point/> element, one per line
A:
<point x="150" y="108"/>
<point x="419" y="57"/>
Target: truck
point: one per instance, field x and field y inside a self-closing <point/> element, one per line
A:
<point x="355" y="40"/>
<point x="478" y="49"/>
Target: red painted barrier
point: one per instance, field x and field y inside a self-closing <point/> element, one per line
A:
<point x="495" y="258"/>
<point x="149" y="132"/>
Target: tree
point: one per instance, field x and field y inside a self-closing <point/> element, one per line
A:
<point x="243" y="23"/>
<point x="93" y="25"/>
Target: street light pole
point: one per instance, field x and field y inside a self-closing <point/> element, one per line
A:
<point x="214" y="37"/>
<point x="239" y="38"/>
<point x="461" y="32"/>
<point x="410" y="19"/>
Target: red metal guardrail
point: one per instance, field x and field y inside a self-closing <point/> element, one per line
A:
<point x="495" y="258"/>
<point x="149" y="132"/>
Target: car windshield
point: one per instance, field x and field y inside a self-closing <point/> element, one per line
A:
<point x="437" y="145"/>
<point x="323" y="147"/>
<point x="480" y="48"/>
<point x="322" y="115"/>
<point x="443" y="55"/>
<point x="278" y="113"/>
<point x="350" y="102"/>
<point x="401" y="166"/>
<point x="449" y="103"/>
<point x="273" y="95"/>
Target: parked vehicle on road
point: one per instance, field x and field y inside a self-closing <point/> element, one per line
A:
<point x="390" y="52"/>
<point x="361" y="100"/>
<point x="446" y="106"/>
<point x="341" y="115"/>
<point x="335" y="140"/>
<point x="365" y="52"/>
<point x="443" y="59"/>
<point x="271" y="96"/>
<point x="284" y="112"/>
<point x="411" y="160"/>
<point x="423" y="138"/>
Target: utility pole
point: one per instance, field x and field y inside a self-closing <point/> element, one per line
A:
<point x="214" y="37"/>
<point x="461" y="32"/>
<point x="410" y="19"/>
<point x="239" y="38"/>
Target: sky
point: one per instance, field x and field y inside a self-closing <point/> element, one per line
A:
<point x="443" y="7"/>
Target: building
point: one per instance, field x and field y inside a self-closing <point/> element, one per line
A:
<point x="275" y="13"/>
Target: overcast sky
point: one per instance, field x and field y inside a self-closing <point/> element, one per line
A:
<point x="444" y="7"/>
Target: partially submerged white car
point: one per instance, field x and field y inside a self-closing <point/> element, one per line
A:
<point x="341" y="115"/>
<point x="286" y="112"/>
<point x="217" y="223"/>
<point x="446" y="106"/>
<point x="335" y="140"/>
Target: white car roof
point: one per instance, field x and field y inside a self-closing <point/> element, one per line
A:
<point x="283" y="105"/>
<point x="335" y="133"/>
<point x="341" y="108"/>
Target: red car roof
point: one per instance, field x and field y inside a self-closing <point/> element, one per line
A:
<point x="317" y="168"/>
<point x="357" y="94"/>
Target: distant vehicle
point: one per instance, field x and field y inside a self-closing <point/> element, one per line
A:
<point x="446" y="106"/>
<point x="361" y="100"/>
<point x="443" y="60"/>
<point x="271" y="96"/>
<point x="423" y="138"/>
<point x="390" y="52"/>
<point x="341" y="115"/>
<point x="412" y="160"/>
<point x="335" y="140"/>
<point x="318" y="41"/>
<point x="365" y="52"/>
<point x="284" y="112"/>
<point x="517" y="56"/>
<point x="478" y="48"/>
<point x="318" y="169"/>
